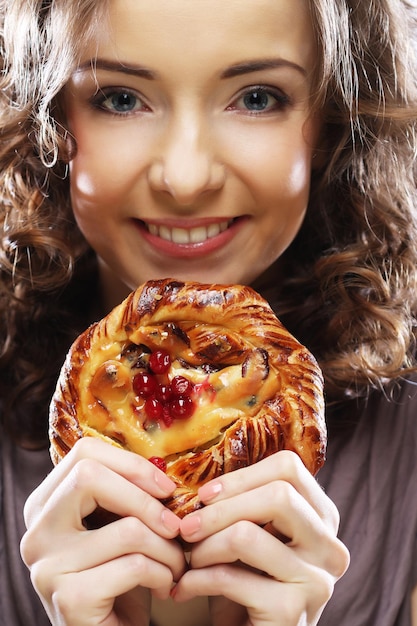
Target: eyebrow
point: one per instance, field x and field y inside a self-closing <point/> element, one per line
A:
<point x="232" y="71"/>
<point x="114" y="66"/>
<point x="259" y="66"/>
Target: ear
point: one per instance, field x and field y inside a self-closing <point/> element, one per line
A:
<point x="67" y="144"/>
<point x="70" y="147"/>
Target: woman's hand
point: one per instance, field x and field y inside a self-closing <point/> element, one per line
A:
<point x="103" y="576"/>
<point x="265" y="546"/>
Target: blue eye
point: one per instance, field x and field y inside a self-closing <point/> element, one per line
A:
<point x="261" y="100"/>
<point x="119" y="102"/>
<point x="122" y="102"/>
<point x="257" y="100"/>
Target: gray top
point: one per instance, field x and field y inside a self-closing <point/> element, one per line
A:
<point x="371" y="475"/>
<point x="20" y="472"/>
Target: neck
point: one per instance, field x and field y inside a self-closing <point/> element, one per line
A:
<point x="269" y="281"/>
<point x="112" y="289"/>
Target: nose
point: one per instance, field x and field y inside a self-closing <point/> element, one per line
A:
<point x="184" y="165"/>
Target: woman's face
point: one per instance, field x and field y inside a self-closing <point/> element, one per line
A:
<point x="194" y="137"/>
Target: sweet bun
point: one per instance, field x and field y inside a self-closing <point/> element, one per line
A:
<point x="200" y="379"/>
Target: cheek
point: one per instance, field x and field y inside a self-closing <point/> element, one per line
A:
<point x="93" y="195"/>
<point x="85" y="192"/>
<point x="287" y="178"/>
<point x="106" y="163"/>
<point x="96" y="186"/>
<point x="278" y="163"/>
<point x="299" y="175"/>
<point x="286" y="185"/>
<point x="83" y="185"/>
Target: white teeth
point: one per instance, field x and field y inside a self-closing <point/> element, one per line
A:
<point x="178" y="235"/>
<point x="165" y="233"/>
<point x="153" y="229"/>
<point x="213" y="230"/>
<point x="197" y="235"/>
<point x="188" y="235"/>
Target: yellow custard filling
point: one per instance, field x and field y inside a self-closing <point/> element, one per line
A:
<point x="219" y="398"/>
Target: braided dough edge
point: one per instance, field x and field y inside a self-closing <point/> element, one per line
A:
<point x="293" y="419"/>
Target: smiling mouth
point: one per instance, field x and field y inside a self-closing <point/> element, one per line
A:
<point x="186" y="236"/>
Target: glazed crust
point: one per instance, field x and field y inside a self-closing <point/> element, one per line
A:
<point x="259" y="390"/>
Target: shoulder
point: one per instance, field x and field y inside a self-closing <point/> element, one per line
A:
<point x="371" y="463"/>
<point x="371" y="474"/>
<point x="385" y="424"/>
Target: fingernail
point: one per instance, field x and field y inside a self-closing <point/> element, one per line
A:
<point x="164" y="482"/>
<point x="170" y="520"/>
<point x="210" y="491"/>
<point x="190" y="524"/>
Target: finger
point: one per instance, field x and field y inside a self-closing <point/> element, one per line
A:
<point x="277" y="503"/>
<point x="136" y="469"/>
<point x="92" y="484"/>
<point x="129" y="535"/>
<point x="125" y="536"/>
<point x="248" y="543"/>
<point x="284" y="465"/>
<point x="268" y="602"/>
<point x="89" y="485"/>
<point x="91" y="593"/>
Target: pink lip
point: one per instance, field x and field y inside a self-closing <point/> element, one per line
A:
<point x="189" y="250"/>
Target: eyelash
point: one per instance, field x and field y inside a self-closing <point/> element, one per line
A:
<point x="281" y="101"/>
<point x="99" y="99"/>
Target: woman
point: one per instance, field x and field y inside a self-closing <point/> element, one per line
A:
<point x="128" y="157"/>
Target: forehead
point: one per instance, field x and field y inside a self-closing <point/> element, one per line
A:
<point x="215" y="31"/>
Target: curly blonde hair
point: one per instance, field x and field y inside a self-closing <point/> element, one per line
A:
<point x="351" y="278"/>
<point x="47" y="269"/>
<point x="352" y="271"/>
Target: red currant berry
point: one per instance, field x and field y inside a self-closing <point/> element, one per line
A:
<point x="154" y="409"/>
<point x="159" y="462"/>
<point x="181" y="386"/>
<point x="163" y="393"/>
<point x="166" y="416"/>
<point x="144" y="384"/>
<point x="159" y="361"/>
<point x="181" y="408"/>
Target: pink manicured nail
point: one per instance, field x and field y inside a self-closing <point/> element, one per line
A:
<point x="164" y="482"/>
<point x="190" y="524"/>
<point x="210" y="491"/>
<point x="170" y="521"/>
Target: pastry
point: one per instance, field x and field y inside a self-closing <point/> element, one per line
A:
<point x="199" y="379"/>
